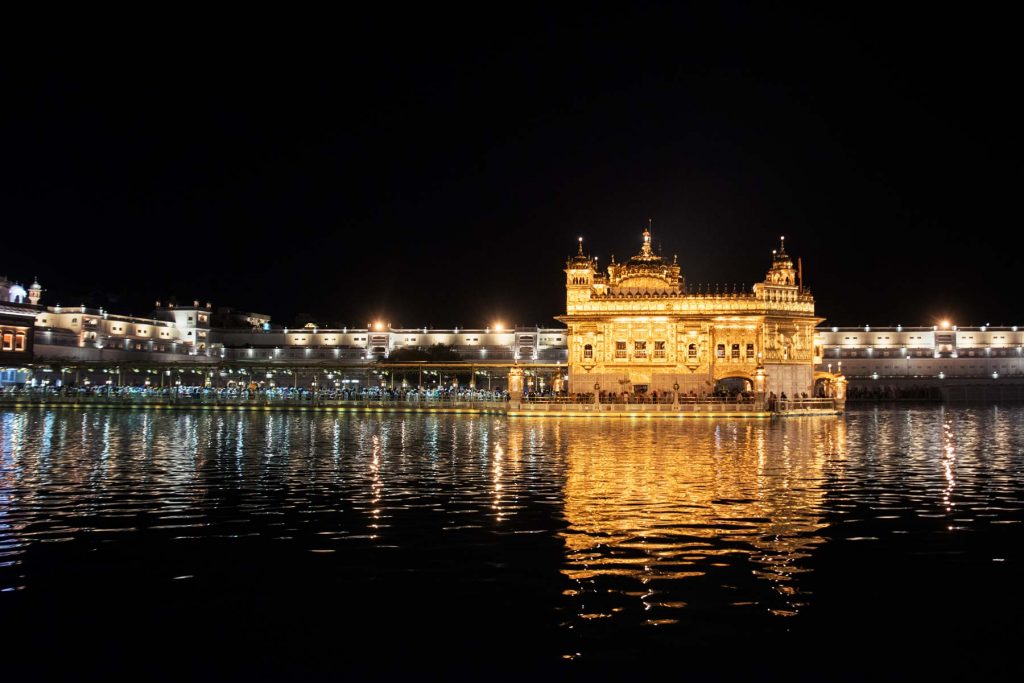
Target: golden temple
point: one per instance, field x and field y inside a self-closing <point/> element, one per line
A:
<point x="639" y="329"/>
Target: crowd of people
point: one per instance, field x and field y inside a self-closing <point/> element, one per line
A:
<point x="643" y="397"/>
<point x="253" y="391"/>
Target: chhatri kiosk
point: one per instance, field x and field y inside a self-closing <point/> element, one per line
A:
<point x="639" y="329"/>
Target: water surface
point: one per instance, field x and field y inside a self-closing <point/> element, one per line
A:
<point x="261" y="545"/>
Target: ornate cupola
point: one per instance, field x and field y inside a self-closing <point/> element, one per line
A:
<point x="579" y="270"/>
<point x="782" y="271"/>
<point x="35" y="292"/>
<point x="580" y="274"/>
<point x="646" y="272"/>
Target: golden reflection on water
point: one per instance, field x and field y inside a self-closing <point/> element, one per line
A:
<point x="650" y="504"/>
<point x="640" y="522"/>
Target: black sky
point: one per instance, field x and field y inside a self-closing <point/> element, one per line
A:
<point x="436" y="167"/>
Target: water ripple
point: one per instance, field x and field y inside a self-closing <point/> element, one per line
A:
<point x="592" y="534"/>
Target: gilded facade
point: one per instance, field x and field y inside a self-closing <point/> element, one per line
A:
<point x="638" y="328"/>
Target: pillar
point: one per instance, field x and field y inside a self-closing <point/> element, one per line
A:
<point x="515" y="383"/>
<point x="840" y="392"/>
<point x="760" y="386"/>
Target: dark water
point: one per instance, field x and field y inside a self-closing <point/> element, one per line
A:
<point x="884" y="543"/>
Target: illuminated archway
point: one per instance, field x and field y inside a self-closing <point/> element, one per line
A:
<point x="732" y="383"/>
<point x="824" y="384"/>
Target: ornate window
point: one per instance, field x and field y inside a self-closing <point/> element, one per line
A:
<point x="8" y="341"/>
<point x="19" y="342"/>
<point x="640" y="349"/>
<point x="659" y="349"/>
<point x="588" y="351"/>
<point x="620" y="349"/>
<point x="750" y="351"/>
<point x="735" y="351"/>
<point x="691" y="351"/>
<point x="720" y="351"/>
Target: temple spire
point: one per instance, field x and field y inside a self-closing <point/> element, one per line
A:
<point x="645" y="250"/>
<point x="580" y="252"/>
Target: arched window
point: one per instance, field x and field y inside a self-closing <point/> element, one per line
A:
<point x="720" y="351"/>
<point x="588" y="351"/>
<point x="691" y="351"/>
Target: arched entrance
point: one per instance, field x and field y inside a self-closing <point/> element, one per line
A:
<point x="733" y="385"/>
<point x="824" y="385"/>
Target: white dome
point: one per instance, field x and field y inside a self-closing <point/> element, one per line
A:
<point x="17" y="294"/>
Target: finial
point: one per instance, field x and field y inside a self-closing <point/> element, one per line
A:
<point x="782" y="244"/>
<point x="646" y="248"/>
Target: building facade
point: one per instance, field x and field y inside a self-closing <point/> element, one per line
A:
<point x="937" y="352"/>
<point x="639" y="328"/>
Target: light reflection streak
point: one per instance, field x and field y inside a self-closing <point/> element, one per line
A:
<point x="948" y="464"/>
<point x="656" y="503"/>
<point x="646" y="518"/>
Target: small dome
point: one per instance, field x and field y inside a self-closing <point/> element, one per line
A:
<point x="780" y="259"/>
<point x="581" y="260"/>
<point x="782" y="271"/>
<point x="16" y="293"/>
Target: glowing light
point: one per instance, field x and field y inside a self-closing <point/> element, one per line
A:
<point x="945" y="324"/>
<point x="378" y="325"/>
<point x="498" y="327"/>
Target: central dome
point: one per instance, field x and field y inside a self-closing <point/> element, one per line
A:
<point x="645" y="272"/>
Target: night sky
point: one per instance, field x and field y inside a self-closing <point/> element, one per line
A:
<point x="436" y="168"/>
